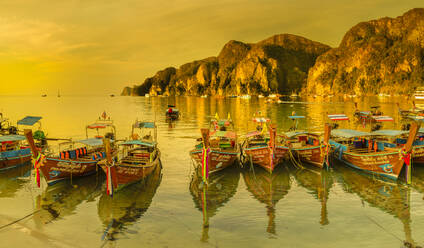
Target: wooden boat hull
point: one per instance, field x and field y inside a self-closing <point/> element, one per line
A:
<point x="263" y="156"/>
<point x="386" y="164"/>
<point x="55" y="170"/>
<point x="129" y="174"/>
<point x="10" y="163"/>
<point x="314" y="155"/>
<point x="418" y="154"/>
<point x="219" y="160"/>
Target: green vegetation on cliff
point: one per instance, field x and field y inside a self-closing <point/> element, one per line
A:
<point x="278" y="64"/>
<point x="378" y="56"/>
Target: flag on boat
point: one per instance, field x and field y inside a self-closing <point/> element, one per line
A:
<point x="104" y="115"/>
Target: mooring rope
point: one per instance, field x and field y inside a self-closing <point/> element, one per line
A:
<point x="16" y="221"/>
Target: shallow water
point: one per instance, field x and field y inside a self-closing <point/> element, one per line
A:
<point x="241" y="208"/>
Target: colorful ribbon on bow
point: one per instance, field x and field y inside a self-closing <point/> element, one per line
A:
<point x="38" y="162"/>
<point x="406" y="156"/>
<point x="109" y="184"/>
<point x="205" y="164"/>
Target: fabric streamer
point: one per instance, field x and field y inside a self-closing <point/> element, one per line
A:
<point x="109" y="185"/>
<point x="38" y="162"/>
<point x="205" y="164"/>
<point x="406" y="156"/>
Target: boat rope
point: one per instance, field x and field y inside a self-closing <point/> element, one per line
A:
<point x="294" y="161"/>
<point x="251" y="166"/>
<point x="384" y="229"/>
<point x="18" y="220"/>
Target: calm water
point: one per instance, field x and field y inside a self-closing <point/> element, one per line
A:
<point x="240" y="208"/>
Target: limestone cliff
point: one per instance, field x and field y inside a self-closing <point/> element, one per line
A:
<point x="378" y="56"/>
<point x="278" y="64"/>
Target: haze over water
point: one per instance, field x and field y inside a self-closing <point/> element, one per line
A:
<point x="293" y="207"/>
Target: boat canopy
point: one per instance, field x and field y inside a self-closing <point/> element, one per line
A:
<point x="348" y="133"/>
<point x="9" y="138"/>
<point x="144" y="124"/>
<point x="227" y="134"/>
<point x="380" y="118"/>
<point x="29" y="120"/>
<point x="416" y="118"/>
<point x="261" y="119"/>
<point x="92" y="142"/>
<point x="389" y="132"/>
<point x="254" y="133"/>
<point x="294" y="133"/>
<point x="99" y="125"/>
<point x="364" y="113"/>
<point x="338" y="117"/>
<point x="139" y="142"/>
<point x="296" y="117"/>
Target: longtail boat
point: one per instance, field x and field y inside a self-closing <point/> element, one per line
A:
<point x="135" y="160"/>
<point x="261" y="147"/>
<point x="119" y="213"/>
<point x="218" y="147"/>
<point x="172" y="113"/>
<point x="358" y="150"/>
<point x="78" y="159"/>
<point x="268" y="189"/>
<point x="74" y="158"/>
<point x="210" y="197"/>
<point x="13" y="152"/>
<point x="309" y="147"/>
<point x="390" y="198"/>
<point x="318" y="183"/>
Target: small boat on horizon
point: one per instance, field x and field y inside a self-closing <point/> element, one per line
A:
<point x="172" y="113"/>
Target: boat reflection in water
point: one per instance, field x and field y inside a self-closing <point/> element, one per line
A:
<point x="418" y="178"/>
<point x="14" y="179"/>
<point x="389" y="197"/>
<point x="318" y="182"/>
<point x="208" y="198"/>
<point x="127" y="205"/>
<point x="268" y="188"/>
<point x="62" y="199"/>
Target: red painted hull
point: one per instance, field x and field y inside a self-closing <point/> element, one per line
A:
<point x="314" y="155"/>
<point x="127" y="174"/>
<point x="55" y="169"/>
<point x="263" y="156"/>
<point x="218" y="160"/>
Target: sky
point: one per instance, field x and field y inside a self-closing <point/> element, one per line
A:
<point x="95" y="47"/>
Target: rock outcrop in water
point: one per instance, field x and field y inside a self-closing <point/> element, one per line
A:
<point x="278" y="64"/>
<point x="378" y="56"/>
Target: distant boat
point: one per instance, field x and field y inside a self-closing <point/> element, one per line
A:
<point x="272" y="96"/>
<point x="245" y="97"/>
<point x="58" y="93"/>
<point x="294" y="95"/>
<point x="260" y="96"/>
<point x="232" y="96"/>
<point x="146" y="95"/>
<point x="112" y="95"/>
<point x="43" y="95"/>
<point x="204" y="96"/>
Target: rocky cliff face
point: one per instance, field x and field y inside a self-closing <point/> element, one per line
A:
<point x="379" y="56"/>
<point x="278" y="64"/>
